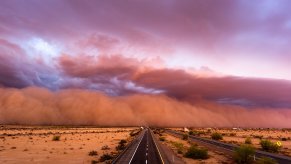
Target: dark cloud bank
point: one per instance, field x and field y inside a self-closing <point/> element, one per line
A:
<point x="116" y="90"/>
<point x="113" y="88"/>
<point x="134" y="94"/>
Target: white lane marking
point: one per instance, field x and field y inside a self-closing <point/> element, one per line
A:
<point x="146" y="161"/>
<point x="136" y="148"/>
<point x="157" y="147"/>
<point x="173" y="158"/>
<point x="146" y="154"/>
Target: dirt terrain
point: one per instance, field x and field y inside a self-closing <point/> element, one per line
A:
<point x="177" y="144"/>
<point x="36" y="144"/>
<point x="238" y="136"/>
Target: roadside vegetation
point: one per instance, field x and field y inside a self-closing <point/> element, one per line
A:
<point x="105" y="157"/>
<point x="185" y="136"/>
<point x="244" y="154"/>
<point x="269" y="146"/>
<point x="179" y="146"/>
<point x="121" y="145"/>
<point x="216" y="136"/>
<point x="248" y="140"/>
<point x="134" y="132"/>
<point x="195" y="152"/>
<point x="196" y="133"/>
<point x="162" y="138"/>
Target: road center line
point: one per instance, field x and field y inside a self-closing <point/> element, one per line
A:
<point x="136" y="148"/>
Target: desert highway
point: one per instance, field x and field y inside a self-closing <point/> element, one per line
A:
<point x="229" y="147"/>
<point x="142" y="150"/>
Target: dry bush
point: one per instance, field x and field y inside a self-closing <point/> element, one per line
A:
<point x="162" y="139"/>
<point x="105" y="157"/>
<point x="216" y="136"/>
<point x="93" y="153"/>
<point x="105" y="147"/>
<point x="196" y="153"/>
<point x="269" y="146"/>
<point x="248" y="140"/>
<point x="185" y="137"/>
<point x="244" y="154"/>
<point x="56" y="138"/>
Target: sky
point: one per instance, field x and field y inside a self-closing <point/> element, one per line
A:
<point x="204" y="54"/>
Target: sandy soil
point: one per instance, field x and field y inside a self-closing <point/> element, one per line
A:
<point x="214" y="157"/>
<point x="35" y="144"/>
<point x="238" y="136"/>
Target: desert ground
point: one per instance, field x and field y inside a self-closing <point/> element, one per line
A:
<point x="36" y="144"/>
<point x="238" y="136"/>
<point x="180" y="146"/>
<point x="61" y="144"/>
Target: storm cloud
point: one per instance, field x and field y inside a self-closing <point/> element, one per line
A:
<point x="201" y="63"/>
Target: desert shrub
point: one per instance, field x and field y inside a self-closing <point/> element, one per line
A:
<point x="244" y="154"/>
<point x="266" y="160"/>
<point x="258" y="136"/>
<point x="134" y="133"/>
<point x="196" y="133"/>
<point x="56" y="138"/>
<point x="122" y="142"/>
<point x="121" y="145"/>
<point x="162" y="139"/>
<point x="185" y="137"/>
<point x="216" y="136"/>
<point x="196" y="153"/>
<point x="269" y="146"/>
<point x="232" y="134"/>
<point x="283" y="139"/>
<point x="179" y="147"/>
<point x="105" y="157"/>
<point x="179" y="151"/>
<point x="201" y="132"/>
<point x="93" y="153"/>
<point x="105" y="147"/>
<point x="94" y="162"/>
<point x="191" y="132"/>
<point x="248" y="140"/>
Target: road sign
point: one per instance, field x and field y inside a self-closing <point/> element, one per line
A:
<point x="278" y="143"/>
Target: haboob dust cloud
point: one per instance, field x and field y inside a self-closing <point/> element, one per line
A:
<point x="38" y="106"/>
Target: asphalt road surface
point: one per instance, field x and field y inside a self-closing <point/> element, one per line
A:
<point x="142" y="151"/>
